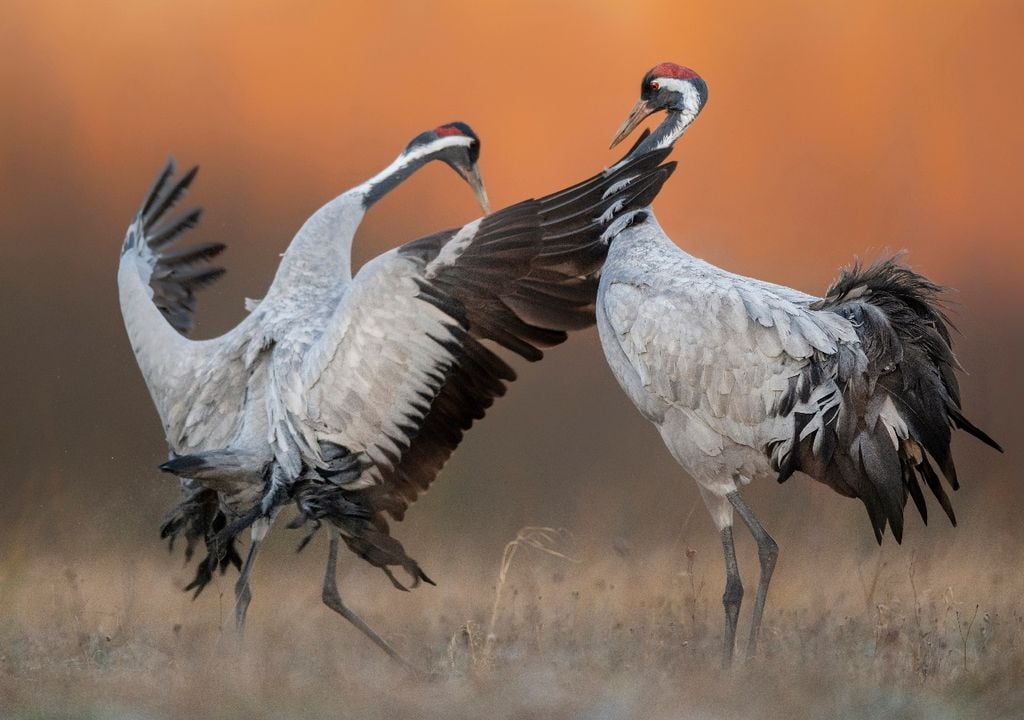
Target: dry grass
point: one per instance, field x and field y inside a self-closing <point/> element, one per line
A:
<point x="614" y="636"/>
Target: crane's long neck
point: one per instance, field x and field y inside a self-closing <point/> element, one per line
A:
<point x="392" y="176"/>
<point x="665" y="135"/>
<point x="318" y="262"/>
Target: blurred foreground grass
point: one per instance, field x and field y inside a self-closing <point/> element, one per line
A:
<point x="616" y="636"/>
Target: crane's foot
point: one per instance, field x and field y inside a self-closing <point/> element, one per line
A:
<point x="332" y="599"/>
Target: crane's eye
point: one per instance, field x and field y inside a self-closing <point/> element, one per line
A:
<point x="655" y="85"/>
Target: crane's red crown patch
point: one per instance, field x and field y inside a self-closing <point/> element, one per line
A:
<point x="447" y="130"/>
<point x="672" y="70"/>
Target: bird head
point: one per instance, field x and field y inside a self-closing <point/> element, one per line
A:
<point x="458" y="146"/>
<point x="668" y="87"/>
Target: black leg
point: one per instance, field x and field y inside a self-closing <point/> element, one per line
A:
<point x="332" y="599"/>
<point x="768" y="553"/>
<point x="242" y="592"/>
<point x="732" y="597"/>
<point x="258" y="531"/>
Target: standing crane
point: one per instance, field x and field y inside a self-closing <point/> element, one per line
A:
<point x="347" y="395"/>
<point x="745" y="379"/>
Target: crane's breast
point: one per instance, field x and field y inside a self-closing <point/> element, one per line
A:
<point x="619" y="307"/>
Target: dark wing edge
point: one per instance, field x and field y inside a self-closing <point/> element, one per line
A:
<point x="175" y="274"/>
<point x="526" y="278"/>
<point x="905" y="363"/>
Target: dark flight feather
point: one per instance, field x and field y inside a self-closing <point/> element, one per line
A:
<point x="176" y="275"/>
<point x="523" y="281"/>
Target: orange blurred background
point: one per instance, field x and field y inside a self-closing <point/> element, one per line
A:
<point x="832" y="130"/>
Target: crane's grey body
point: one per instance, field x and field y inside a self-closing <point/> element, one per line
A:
<point x="706" y="355"/>
<point x="748" y="380"/>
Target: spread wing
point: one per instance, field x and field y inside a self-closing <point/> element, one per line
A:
<point x="157" y="283"/>
<point x="402" y="372"/>
<point x="173" y="274"/>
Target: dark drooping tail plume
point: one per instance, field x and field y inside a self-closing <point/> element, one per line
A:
<point x="900" y="399"/>
<point x="198" y="516"/>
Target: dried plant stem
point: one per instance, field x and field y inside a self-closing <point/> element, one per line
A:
<point x="869" y="589"/>
<point x="462" y="638"/>
<point x="685" y="526"/>
<point x="911" y="573"/>
<point x="965" y="635"/>
<point x="544" y="539"/>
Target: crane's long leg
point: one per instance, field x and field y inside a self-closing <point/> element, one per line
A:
<point x="332" y="599"/>
<point x="243" y="594"/>
<point x="768" y="553"/>
<point x="732" y="597"/>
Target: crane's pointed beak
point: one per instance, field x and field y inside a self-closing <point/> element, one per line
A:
<point x="639" y="112"/>
<point x="472" y="176"/>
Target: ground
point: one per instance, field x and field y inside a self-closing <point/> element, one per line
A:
<point x="603" y="635"/>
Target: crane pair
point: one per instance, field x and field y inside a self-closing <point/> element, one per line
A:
<point x="346" y="395"/>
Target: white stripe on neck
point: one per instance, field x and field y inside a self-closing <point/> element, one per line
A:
<point x="434" y="146"/>
<point x="417" y="153"/>
<point x="687" y="114"/>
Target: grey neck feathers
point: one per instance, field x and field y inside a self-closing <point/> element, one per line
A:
<point x="318" y="261"/>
